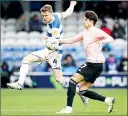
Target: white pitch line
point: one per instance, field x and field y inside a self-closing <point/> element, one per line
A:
<point x="48" y="110"/>
<point x="28" y="110"/>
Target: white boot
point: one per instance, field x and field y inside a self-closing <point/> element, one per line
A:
<point x="84" y="99"/>
<point x="110" y="102"/>
<point x="15" y="85"/>
<point x="67" y="110"/>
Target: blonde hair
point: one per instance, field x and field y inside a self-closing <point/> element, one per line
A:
<point x="46" y="7"/>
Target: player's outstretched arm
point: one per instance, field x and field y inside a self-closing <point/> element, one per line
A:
<point x="108" y="39"/>
<point x="69" y="11"/>
<point x="72" y="40"/>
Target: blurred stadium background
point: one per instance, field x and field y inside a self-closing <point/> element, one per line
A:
<point x="22" y="32"/>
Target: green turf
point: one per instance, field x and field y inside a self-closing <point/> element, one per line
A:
<point x="48" y="101"/>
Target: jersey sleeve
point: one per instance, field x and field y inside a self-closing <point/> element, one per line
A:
<point x="72" y="40"/>
<point x="104" y="34"/>
<point x="60" y="16"/>
<point x="101" y="34"/>
<point x="104" y="37"/>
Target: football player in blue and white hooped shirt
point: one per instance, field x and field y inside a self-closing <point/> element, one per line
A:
<point x="53" y="30"/>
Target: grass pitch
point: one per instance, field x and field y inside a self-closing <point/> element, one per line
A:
<point x="48" y="101"/>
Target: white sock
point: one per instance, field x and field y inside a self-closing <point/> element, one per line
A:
<point x="23" y="72"/>
<point x="106" y="100"/>
<point x="77" y="88"/>
<point x="69" y="108"/>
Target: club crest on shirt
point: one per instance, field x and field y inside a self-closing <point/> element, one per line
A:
<point x="55" y="33"/>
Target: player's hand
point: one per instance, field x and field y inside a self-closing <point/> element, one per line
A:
<point x="73" y="3"/>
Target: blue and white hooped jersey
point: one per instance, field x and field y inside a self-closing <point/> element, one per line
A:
<point x="54" y="29"/>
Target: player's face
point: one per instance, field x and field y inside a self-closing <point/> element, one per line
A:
<point x="87" y="23"/>
<point x="47" y="16"/>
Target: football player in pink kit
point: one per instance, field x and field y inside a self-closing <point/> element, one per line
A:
<point x="92" y="39"/>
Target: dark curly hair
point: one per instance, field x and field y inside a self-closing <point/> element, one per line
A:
<point x="91" y="15"/>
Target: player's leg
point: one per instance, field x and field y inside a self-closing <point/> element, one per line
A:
<point x="58" y="74"/>
<point x="55" y="62"/>
<point x="95" y="96"/>
<point x="83" y="98"/>
<point x="77" y="78"/>
<point x="90" y="94"/>
<point x="83" y="71"/>
<point x="90" y="73"/>
<point x="94" y="70"/>
<point x="27" y="60"/>
<point x="64" y="81"/>
<point x="54" y="59"/>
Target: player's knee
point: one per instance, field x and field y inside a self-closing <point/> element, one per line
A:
<point x="74" y="78"/>
<point x="72" y="86"/>
<point x="83" y="88"/>
<point x="72" y="81"/>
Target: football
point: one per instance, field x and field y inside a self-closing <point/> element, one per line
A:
<point x="52" y="43"/>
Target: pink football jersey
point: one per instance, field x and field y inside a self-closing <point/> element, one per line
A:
<point x="92" y="40"/>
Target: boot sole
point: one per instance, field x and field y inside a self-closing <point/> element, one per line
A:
<point x="113" y="101"/>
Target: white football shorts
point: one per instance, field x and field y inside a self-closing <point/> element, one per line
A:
<point x="54" y="58"/>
